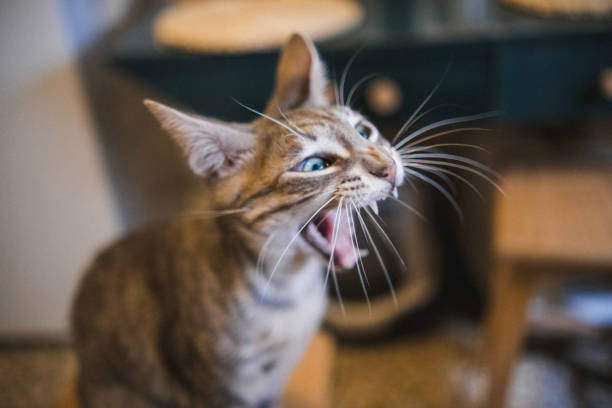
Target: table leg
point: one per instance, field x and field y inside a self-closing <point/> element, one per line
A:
<point x="511" y="290"/>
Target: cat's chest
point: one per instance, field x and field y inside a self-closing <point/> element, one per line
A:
<point x="276" y="320"/>
<point x="294" y="294"/>
<point x="288" y="311"/>
<point x="293" y="320"/>
<point x="271" y="336"/>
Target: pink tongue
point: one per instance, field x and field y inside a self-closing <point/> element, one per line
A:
<point x="345" y="255"/>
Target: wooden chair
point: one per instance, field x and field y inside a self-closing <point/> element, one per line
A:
<point x="551" y="222"/>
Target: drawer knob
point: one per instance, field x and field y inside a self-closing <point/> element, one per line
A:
<point x="605" y="83"/>
<point x="384" y="96"/>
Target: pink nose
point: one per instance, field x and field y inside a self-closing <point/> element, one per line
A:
<point x="386" y="172"/>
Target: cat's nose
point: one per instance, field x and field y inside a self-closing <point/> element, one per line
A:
<point x="384" y="171"/>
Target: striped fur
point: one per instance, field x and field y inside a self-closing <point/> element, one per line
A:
<point x="215" y="312"/>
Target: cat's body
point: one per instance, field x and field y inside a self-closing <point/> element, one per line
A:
<point x="172" y="335"/>
<point x="214" y="311"/>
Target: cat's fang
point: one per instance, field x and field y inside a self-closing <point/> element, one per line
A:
<point x="395" y="193"/>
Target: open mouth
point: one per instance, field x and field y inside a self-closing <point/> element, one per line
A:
<point x="319" y="233"/>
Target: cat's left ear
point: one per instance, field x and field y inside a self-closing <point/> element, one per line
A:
<point x="213" y="148"/>
<point x="300" y="77"/>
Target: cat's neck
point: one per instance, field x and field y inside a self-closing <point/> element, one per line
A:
<point x="278" y="264"/>
<point x="267" y="247"/>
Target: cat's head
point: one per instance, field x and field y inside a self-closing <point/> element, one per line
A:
<point x="304" y="160"/>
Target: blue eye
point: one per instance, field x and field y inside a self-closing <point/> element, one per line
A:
<point x="364" y="130"/>
<point x="314" y="164"/>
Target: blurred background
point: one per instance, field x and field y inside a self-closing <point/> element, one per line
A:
<point x="509" y="304"/>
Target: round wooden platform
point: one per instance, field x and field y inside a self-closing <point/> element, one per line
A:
<point x="237" y="26"/>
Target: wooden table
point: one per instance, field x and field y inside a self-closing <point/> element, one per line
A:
<point x="550" y="222"/>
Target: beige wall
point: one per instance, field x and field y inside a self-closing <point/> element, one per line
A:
<point x="56" y="207"/>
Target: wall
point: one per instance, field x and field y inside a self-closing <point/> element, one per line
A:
<point x="56" y="207"/>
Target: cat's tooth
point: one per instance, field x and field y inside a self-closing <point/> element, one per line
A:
<point x="374" y="207"/>
<point x="363" y="253"/>
<point x="395" y="193"/>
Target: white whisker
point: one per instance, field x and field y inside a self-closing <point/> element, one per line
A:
<point x="209" y="214"/>
<point x="425" y="148"/>
<point x="412" y="185"/>
<point x="367" y="209"/>
<point x="297" y="234"/>
<point x="438" y="187"/>
<point x="291" y="123"/>
<point x="384" y="234"/>
<point x="409" y="207"/>
<point x="337" y="288"/>
<point x="444" y="122"/>
<point x="446" y="180"/>
<point x="452" y="173"/>
<point x="376" y="252"/>
<point x="278" y="122"/>
<point x="357" y="85"/>
<point x="357" y="257"/>
<point x="412" y="119"/>
<point x="452" y="157"/>
<point x="262" y="254"/>
<point x="417" y="118"/>
<point x="331" y="255"/>
<point x="458" y="166"/>
<point x="331" y="265"/>
<point x="439" y="134"/>
<point x="345" y="74"/>
<point x="214" y="213"/>
<point x="352" y="220"/>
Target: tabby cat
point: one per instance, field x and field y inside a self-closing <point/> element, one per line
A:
<point x="215" y="311"/>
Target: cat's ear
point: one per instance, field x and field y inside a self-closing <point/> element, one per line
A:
<point x="300" y="77"/>
<point x="213" y="148"/>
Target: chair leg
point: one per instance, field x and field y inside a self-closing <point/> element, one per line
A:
<point x="511" y="290"/>
<point x="310" y="385"/>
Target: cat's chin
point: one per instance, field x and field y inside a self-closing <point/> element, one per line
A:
<point x="319" y="233"/>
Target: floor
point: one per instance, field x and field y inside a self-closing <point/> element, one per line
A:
<point x="431" y="370"/>
<point x="31" y="377"/>
<point x="439" y="370"/>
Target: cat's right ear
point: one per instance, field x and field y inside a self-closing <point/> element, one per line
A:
<point x="213" y="148"/>
<point x="300" y="77"/>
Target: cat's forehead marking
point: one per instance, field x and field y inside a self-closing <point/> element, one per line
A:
<point x="334" y="134"/>
<point x="332" y="114"/>
<point x="326" y="141"/>
<point x="352" y="116"/>
<point x="345" y="113"/>
<point x="332" y="130"/>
